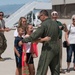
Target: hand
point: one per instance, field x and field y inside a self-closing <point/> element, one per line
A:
<point x="64" y="24"/>
<point x="20" y="43"/>
<point x="47" y="38"/>
<point x="26" y="36"/>
<point x="33" y="55"/>
<point x="65" y="27"/>
<point x="68" y="43"/>
<point x="18" y="54"/>
<point x="7" y="29"/>
<point x="2" y="29"/>
<point x="60" y="27"/>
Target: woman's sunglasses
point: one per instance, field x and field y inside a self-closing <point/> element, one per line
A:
<point x="73" y="19"/>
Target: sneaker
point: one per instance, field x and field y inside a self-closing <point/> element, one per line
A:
<point x="1" y="59"/>
<point x="74" y="69"/>
<point x="62" y="71"/>
<point x="68" y="70"/>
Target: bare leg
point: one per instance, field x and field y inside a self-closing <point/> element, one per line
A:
<point x="47" y="71"/>
<point x="31" y="69"/>
<point x="18" y="71"/>
<point x="68" y="66"/>
<point x="74" y="66"/>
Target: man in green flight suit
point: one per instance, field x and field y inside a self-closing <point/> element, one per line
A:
<point x="50" y="49"/>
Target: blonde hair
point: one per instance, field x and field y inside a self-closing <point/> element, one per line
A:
<point x="20" y="21"/>
<point x="73" y="16"/>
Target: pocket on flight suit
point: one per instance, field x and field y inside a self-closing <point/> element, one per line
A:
<point x="55" y="48"/>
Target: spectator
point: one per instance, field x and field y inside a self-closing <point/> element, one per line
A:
<point x="2" y="30"/>
<point x="22" y="22"/>
<point x="70" y="38"/>
<point x="54" y="16"/>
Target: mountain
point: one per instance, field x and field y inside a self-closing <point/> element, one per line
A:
<point x="9" y="9"/>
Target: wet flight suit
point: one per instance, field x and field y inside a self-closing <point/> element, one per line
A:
<point x="50" y="50"/>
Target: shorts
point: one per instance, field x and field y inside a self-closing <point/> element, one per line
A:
<point x="29" y="58"/>
<point x="18" y="61"/>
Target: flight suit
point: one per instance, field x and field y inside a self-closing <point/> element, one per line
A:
<point x="50" y="50"/>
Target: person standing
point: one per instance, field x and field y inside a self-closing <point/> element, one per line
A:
<point x="54" y="16"/>
<point x="29" y="60"/>
<point x="70" y="38"/>
<point x="50" y="49"/>
<point x="2" y="30"/>
<point x="22" y="23"/>
<point x="18" y="50"/>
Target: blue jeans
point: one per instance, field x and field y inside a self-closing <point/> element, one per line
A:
<point x="70" y="50"/>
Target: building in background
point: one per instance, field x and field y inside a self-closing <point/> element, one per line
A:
<point x="65" y="8"/>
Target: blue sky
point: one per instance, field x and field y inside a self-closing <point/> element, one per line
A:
<point x="6" y="2"/>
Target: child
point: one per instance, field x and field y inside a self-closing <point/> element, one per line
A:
<point x="29" y="61"/>
<point x="18" y="50"/>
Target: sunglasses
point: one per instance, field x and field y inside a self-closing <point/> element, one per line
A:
<point x="1" y="15"/>
<point x="73" y="19"/>
<point x="55" y="14"/>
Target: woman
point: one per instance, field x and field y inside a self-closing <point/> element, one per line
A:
<point x="70" y="38"/>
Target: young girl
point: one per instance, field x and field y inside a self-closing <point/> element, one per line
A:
<point x="29" y="61"/>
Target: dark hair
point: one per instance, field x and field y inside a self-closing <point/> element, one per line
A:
<point x="2" y="13"/>
<point x="44" y="12"/>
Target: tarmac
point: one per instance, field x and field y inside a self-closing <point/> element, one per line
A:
<point x="8" y="66"/>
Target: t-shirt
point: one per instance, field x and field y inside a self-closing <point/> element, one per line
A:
<point x="15" y="33"/>
<point x="60" y="31"/>
<point x="28" y="45"/>
<point x="16" y="41"/>
<point x="2" y="24"/>
<point x="71" y="36"/>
